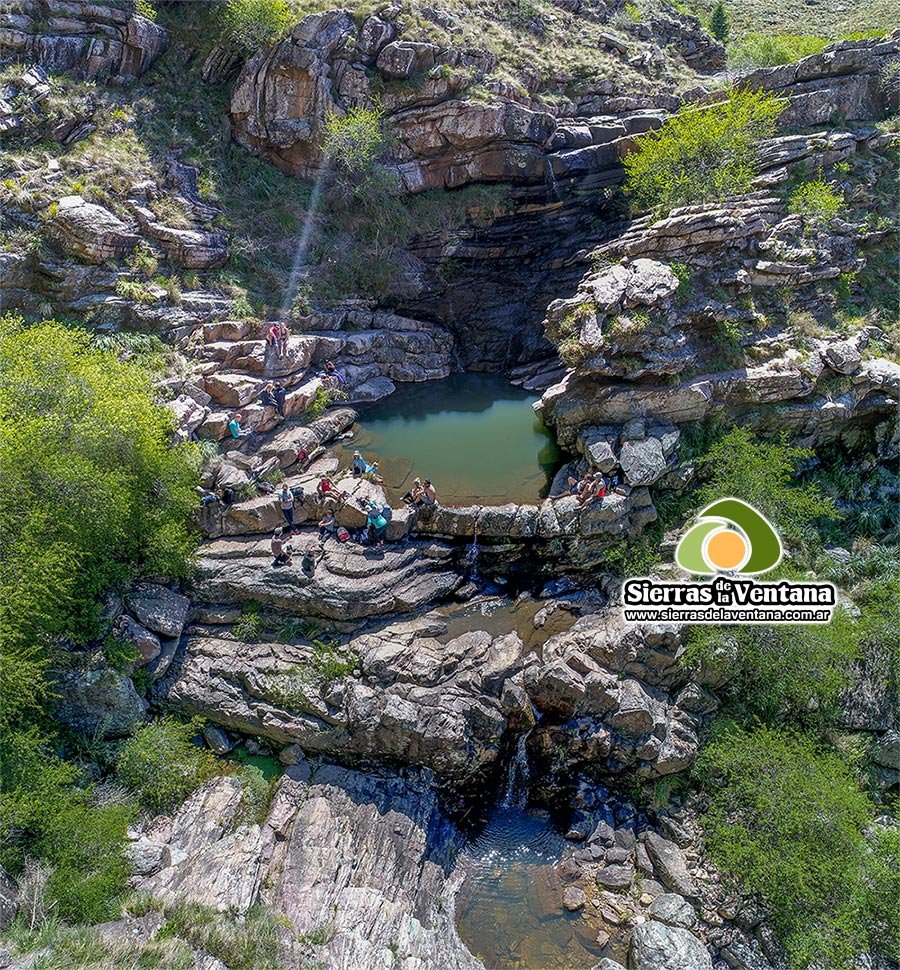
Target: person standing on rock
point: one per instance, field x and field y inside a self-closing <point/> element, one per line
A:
<point x="280" y="395"/>
<point x="282" y="335"/>
<point x="281" y="550"/>
<point x="286" y="501"/>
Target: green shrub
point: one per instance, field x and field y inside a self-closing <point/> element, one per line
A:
<point x="252" y="24"/>
<point x="145" y="9"/>
<point x="134" y="290"/>
<point x="354" y="140"/>
<point x="702" y="153"/>
<point x="249" y="625"/>
<point x="44" y="814"/>
<point x="789" y="674"/>
<point x="787" y="820"/>
<point x="93" y="493"/>
<point x="161" y="764"/>
<point x="770" y="50"/>
<point x="251" y="944"/>
<point x="764" y="473"/>
<point x="816" y="201"/>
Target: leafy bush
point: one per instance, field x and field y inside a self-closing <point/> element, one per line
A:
<point x="44" y="814"/>
<point x="249" y="625"/>
<point x="252" y="24"/>
<point x="787" y="819"/>
<point x="702" y="153"/>
<point x="354" y="140"/>
<point x="92" y="493"/>
<point x="770" y="50"/>
<point x="764" y="473"/>
<point x="781" y="674"/>
<point x="816" y="201"/>
<point x="161" y="764"/>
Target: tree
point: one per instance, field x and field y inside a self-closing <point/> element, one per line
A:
<point x="719" y="24"/>
<point x="702" y="153"/>
<point x="252" y="24"/>
<point x="92" y="492"/>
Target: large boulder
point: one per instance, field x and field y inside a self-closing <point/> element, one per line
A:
<point x="99" y="703"/>
<point x="670" y="865"/>
<point x="656" y="946"/>
<point x="159" y="609"/>
<point x="89" y="232"/>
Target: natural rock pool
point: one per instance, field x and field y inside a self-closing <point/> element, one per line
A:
<point x="509" y="910"/>
<point x="474" y="435"/>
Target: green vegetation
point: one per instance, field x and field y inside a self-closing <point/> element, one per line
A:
<point x="161" y="765"/>
<point x="701" y="153"/>
<point x="252" y="24"/>
<point x="770" y="50"/>
<point x="354" y="140"/>
<point x="817" y="202"/>
<point x="94" y="494"/>
<point x="788" y="819"/>
<point x="719" y="23"/>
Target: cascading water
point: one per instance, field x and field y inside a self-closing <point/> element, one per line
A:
<point x="550" y="182"/>
<point x="515" y="794"/>
<point x="472" y="554"/>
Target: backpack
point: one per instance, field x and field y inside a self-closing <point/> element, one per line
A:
<point x="387" y="513"/>
<point x="297" y="492"/>
<point x="342" y="534"/>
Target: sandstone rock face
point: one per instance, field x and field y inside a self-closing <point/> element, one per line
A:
<point x="411" y="699"/>
<point x="366" y="856"/>
<point x="159" y="609"/>
<point x="89" y="40"/>
<point x="846" y="79"/>
<point x="89" y="232"/>
<point x="350" y="582"/>
<point x="284" y="95"/>
<point x="614" y="695"/>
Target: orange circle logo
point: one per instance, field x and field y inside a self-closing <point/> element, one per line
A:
<point x="726" y="549"/>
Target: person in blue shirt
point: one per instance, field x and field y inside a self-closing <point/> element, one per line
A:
<point x="235" y="429"/>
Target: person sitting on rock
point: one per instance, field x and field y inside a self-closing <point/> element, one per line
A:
<point x="286" y="501"/>
<point x="595" y="490"/>
<point x="308" y="562"/>
<point x="235" y="429"/>
<point x="280" y="395"/>
<point x="326" y="489"/>
<point x="267" y="397"/>
<point x="429" y="495"/>
<point x="372" y="472"/>
<point x="327" y="525"/>
<point x="415" y="493"/>
<point x="206" y="496"/>
<point x="272" y="336"/>
<point x="281" y="550"/>
<point x="359" y="464"/>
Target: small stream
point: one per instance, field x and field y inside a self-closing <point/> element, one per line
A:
<point x="475" y="436"/>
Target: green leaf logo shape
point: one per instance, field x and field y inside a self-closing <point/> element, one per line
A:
<point x="761" y="541"/>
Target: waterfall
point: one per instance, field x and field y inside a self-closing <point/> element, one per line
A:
<point x="518" y="776"/>
<point x="550" y="182"/>
<point x="472" y="554"/>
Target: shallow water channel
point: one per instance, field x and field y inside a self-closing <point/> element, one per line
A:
<point x="474" y="435"/>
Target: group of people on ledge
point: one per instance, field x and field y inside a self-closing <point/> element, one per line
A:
<point x="592" y="487"/>
<point x="332" y="498"/>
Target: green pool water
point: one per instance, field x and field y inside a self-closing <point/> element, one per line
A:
<point x="474" y="435"/>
